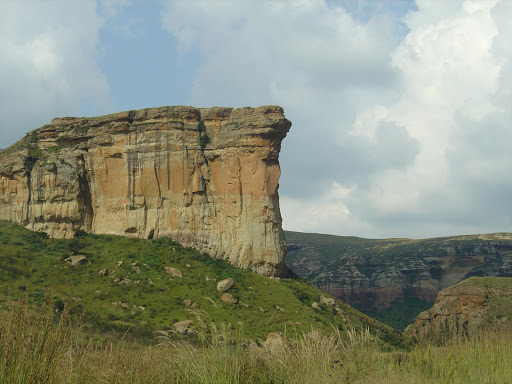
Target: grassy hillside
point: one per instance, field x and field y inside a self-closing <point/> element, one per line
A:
<point x="138" y="296"/>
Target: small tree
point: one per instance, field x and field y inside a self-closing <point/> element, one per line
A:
<point x="74" y="246"/>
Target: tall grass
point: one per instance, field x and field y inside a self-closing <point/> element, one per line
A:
<point x="42" y="350"/>
<point x="32" y="349"/>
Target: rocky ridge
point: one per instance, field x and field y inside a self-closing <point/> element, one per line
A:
<point x="370" y="273"/>
<point x="205" y="177"/>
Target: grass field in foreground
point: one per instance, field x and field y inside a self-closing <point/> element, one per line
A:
<point x="37" y="350"/>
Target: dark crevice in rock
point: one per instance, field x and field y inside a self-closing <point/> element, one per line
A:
<point x="86" y="199"/>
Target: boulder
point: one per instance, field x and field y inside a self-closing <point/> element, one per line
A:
<point x="275" y="343"/>
<point x="173" y="272"/>
<point x="78" y="260"/>
<point x="225" y="285"/>
<point x="228" y="298"/>
<point x="187" y="302"/>
<point x="184" y="327"/>
<point x="327" y="301"/>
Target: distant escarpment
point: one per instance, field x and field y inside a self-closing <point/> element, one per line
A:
<point x="384" y="274"/>
<point x="205" y="177"/>
<point x="465" y="309"/>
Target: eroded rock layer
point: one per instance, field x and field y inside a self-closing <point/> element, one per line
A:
<point x="207" y="178"/>
<point x="466" y="308"/>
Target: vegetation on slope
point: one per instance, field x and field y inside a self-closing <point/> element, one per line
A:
<point x="136" y="295"/>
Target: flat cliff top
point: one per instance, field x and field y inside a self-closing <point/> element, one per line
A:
<point x="205" y="177"/>
<point x="446" y="259"/>
<point x="393" y="280"/>
<point x="467" y="308"/>
<point x="224" y="127"/>
<point x="487" y="282"/>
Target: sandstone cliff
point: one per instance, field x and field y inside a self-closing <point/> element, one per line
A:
<point x="207" y="178"/>
<point x="466" y="308"/>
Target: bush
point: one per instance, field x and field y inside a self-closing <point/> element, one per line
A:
<point x="74" y="246"/>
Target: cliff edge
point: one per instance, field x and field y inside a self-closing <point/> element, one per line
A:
<point x="465" y="308"/>
<point x="205" y="177"/>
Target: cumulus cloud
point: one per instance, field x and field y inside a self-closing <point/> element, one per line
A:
<point x="401" y="123"/>
<point x="401" y="111"/>
<point x="313" y="59"/>
<point x="48" y="63"/>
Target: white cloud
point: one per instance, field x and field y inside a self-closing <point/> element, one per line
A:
<point x="414" y="128"/>
<point x="48" y="63"/>
<point x="453" y="65"/>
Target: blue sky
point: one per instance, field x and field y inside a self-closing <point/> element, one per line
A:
<point x="401" y="110"/>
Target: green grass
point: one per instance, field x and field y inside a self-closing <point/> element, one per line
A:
<point x="488" y="282"/>
<point x="33" y="265"/>
<point x="499" y="297"/>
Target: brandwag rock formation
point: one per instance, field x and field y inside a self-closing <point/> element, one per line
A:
<point x="207" y="178"/>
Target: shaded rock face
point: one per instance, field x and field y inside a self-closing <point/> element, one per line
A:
<point x="465" y="309"/>
<point x="370" y="273"/>
<point x="458" y="310"/>
<point x="207" y="178"/>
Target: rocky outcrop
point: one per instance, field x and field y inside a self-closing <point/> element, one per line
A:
<point x="206" y="178"/>
<point x="464" y="309"/>
<point x="457" y="311"/>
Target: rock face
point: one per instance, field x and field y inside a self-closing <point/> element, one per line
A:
<point x="457" y="310"/>
<point x="464" y="309"/>
<point x="206" y="178"/>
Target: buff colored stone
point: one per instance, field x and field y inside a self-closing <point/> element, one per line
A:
<point x="145" y="174"/>
<point x="184" y="327"/>
<point x="228" y="298"/>
<point x="458" y="310"/>
<point x="175" y="272"/>
<point x="225" y="285"/>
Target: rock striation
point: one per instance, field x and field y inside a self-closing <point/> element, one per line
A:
<point x="205" y="177"/>
<point x="464" y="309"/>
<point x="457" y="311"/>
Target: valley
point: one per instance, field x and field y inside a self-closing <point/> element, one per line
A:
<point x="394" y="280"/>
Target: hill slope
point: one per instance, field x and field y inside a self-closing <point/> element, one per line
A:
<point x="394" y="280"/>
<point x="127" y="284"/>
